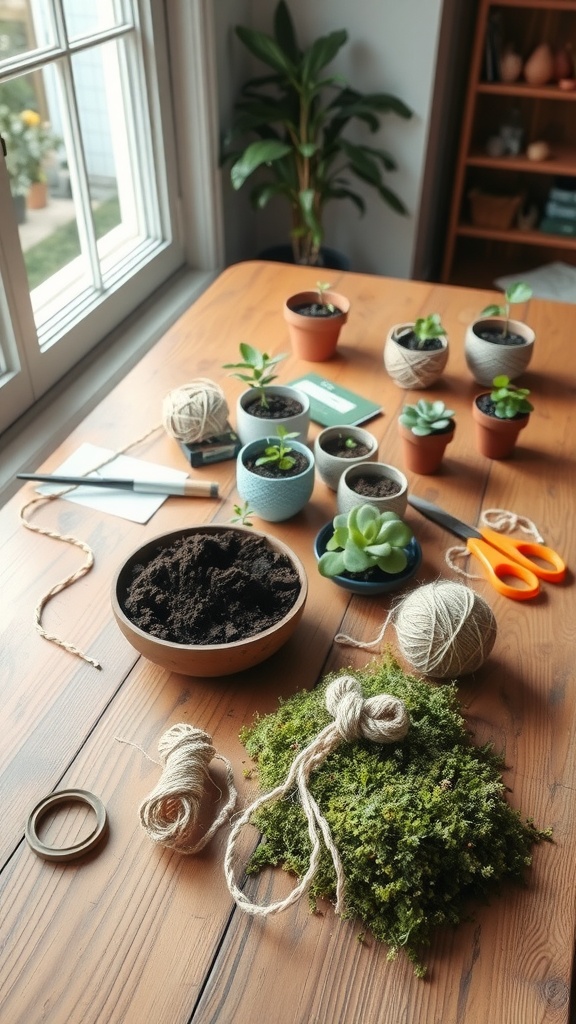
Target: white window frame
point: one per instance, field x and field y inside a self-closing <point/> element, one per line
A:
<point x="190" y="200"/>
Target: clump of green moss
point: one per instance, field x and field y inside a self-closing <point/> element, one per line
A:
<point x="422" y="827"/>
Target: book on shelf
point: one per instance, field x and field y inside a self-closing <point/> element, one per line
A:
<point x="331" y="405"/>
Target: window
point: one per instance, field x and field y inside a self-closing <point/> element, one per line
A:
<point x="88" y="184"/>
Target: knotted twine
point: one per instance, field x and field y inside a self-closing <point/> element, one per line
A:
<point x="381" y="719"/>
<point x="190" y="413"/>
<point x="502" y="520"/>
<point x="169" y="814"/>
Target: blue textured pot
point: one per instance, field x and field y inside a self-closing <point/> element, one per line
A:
<point x="274" y="499"/>
<point x="383" y="582"/>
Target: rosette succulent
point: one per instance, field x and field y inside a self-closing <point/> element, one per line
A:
<point x="364" y="538"/>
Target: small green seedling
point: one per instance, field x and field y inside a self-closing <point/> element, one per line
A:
<point x="426" y="417"/>
<point x="427" y="327"/>
<point x="256" y="369"/>
<point x="508" y="399"/>
<point x="519" y="291"/>
<point x="242" y="514"/>
<point x="350" y="443"/>
<point x="322" y="287"/>
<point x="279" y="454"/>
<point x="363" y="538"/>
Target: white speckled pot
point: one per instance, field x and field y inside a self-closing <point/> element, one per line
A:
<point x="253" y="428"/>
<point x="347" y="498"/>
<point x="330" y="467"/>
<point x="486" y="359"/>
<point x="274" y="499"/>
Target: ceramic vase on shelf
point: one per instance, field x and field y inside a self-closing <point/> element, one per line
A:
<point x="314" y="338"/>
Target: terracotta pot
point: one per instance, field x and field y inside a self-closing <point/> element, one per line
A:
<point x="205" y="659"/>
<point x="496" y="438"/>
<point x="424" y="454"/>
<point x="413" y="368"/>
<point x="37" y="197"/>
<point x="252" y="428"/>
<point x="330" y="467"/>
<point x="487" y="359"/>
<point x="314" y="338"/>
<point x="347" y="498"/>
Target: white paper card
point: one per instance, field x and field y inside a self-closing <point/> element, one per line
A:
<point x="126" y="504"/>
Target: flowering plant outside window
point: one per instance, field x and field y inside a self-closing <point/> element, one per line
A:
<point x="28" y="140"/>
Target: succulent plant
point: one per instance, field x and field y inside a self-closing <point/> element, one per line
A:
<point x="363" y="538"/>
<point x="426" y="417"/>
<point x="509" y="400"/>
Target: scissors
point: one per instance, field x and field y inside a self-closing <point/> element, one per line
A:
<point x="501" y="556"/>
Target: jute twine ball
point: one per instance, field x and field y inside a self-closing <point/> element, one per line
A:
<point x="445" y="629"/>
<point x="195" y="411"/>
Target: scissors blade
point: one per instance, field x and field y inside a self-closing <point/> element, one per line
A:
<point x="438" y="515"/>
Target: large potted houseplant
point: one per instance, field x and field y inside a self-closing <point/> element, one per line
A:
<point x="495" y="345"/>
<point x="275" y="476"/>
<point x="426" y="429"/>
<point x="290" y="125"/>
<point x="315" y="319"/>
<point x="264" y="407"/>
<point x="416" y="353"/>
<point x="499" y="416"/>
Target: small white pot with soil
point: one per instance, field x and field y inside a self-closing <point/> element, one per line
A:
<point x="373" y="483"/>
<point x="274" y="493"/>
<point x="412" y="362"/>
<point x="338" y="448"/>
<point x="286" y="406"/>
<point x="496" y="347"/>
<point x="315" y="320"/>
<point x="209" y="600"/>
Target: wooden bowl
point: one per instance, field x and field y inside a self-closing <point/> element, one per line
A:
<point x="216" y="659"/>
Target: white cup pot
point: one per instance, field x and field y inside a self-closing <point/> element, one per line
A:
<point x="253" y="428"/>
<point x="330" y="467"/>
<point x="347" y="497"/>
<point x="488" y="359"/>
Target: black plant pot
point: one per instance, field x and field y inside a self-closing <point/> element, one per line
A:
<point x="330" y="258"/>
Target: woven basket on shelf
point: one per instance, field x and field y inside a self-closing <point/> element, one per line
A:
<point x="488" y="211"/>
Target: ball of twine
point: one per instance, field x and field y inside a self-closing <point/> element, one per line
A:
<point x="413" y="368"/>
<point x="445" y="629"/>
<point x="195" y="411"/>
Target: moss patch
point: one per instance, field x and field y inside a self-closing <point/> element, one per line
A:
<point x="422" y="827"/>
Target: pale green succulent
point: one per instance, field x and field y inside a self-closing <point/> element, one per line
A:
<point x="364" y="538"/>
<point x="426" y="417"/>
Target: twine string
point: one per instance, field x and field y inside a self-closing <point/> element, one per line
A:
<point x="381" y="719"/>
<point x="503" y="521"/>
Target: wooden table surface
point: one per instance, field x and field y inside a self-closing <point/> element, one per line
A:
<point x="135" y="933"/>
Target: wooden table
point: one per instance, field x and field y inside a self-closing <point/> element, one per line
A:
<point x="135" y="933"/>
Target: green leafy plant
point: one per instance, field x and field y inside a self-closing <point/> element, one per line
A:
<point x="519" y="291"/>
<point x="423" y="827"/>
<point x="364" y="538"/>
<point x="350" y="443"/>
<point x="28" y="140"/>
<point x="322" y="287"/>
<point x="295" y="118"/>
<point x="426" y="417"/>
<point x="256" y="369"/>
<point x="242" y="514"/>
<point x="509" y="400"/>
<point x="279" y="454"/>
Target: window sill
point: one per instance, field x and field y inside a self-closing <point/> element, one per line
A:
<point x="31" y="439"/>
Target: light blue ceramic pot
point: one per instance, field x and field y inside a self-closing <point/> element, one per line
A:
<point x="274" y="499"/>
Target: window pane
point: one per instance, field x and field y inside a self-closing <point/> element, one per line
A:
<point x="84" y="18"/>
<point x="24" y="28"/>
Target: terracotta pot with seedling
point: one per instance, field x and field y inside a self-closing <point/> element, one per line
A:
<point x="338" y="448"/>
<point x="381" y="485"/>
<point x="275" y="476"/>
<point x="426" y="429"/>
<point x="263" y="408"/>
<point x="499" y="416"/>
<point x="367" y="551"/>
<point x="415" y="354"/>
<point x="495" y="345"/>
<point x="315" y="320"/>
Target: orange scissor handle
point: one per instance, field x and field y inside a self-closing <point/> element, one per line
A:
<point x="498" y="568"/>
<point x="524" y="552"/>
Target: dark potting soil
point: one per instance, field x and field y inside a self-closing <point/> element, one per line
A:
<point x="337" y="446"/>
<point x="279" y="406"/>
<point x="271" y="469"/>
<point x="487" y="406"/>
<point x="494" y="335"/>
<point x="410" y="341"/>
<point x="212" y="589"/>
<point x="375" y="486"/>
<point x="316" y="309"/>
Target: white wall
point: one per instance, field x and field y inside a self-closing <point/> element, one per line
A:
<point x="392" y="47"/>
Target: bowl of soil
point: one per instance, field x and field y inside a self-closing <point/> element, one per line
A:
<point x="375" y="482"/>
<point x="209" y="600"/>
<point x="337" y="448"/>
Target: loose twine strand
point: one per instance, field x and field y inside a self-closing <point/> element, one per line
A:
<point x="381" y="719"/>
<point x="500" y="519"/>
<point x="169" y="815"/>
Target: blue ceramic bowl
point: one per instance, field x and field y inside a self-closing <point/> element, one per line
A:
<point x="384" y="582"/>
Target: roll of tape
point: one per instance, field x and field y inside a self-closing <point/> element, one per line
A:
<point x="66" y="853"/>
